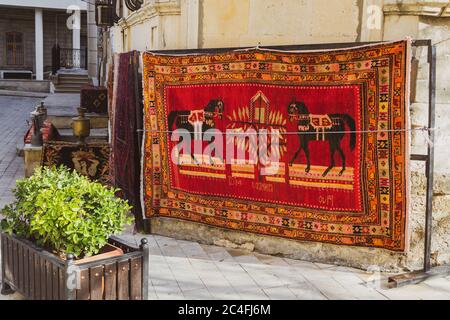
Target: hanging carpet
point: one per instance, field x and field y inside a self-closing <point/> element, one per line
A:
<point x="338" y="174"/>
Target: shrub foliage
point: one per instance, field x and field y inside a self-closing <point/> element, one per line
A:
<point x="65" y="212"/>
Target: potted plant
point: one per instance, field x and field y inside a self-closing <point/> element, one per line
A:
<point x="57" y="241"/>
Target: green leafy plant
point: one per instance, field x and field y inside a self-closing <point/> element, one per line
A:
<point x="65" y="212"/>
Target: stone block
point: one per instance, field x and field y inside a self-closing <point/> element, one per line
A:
<point x="419" y="118"/>
<point x="398" y="27"/>
<point x="32" y="158"/>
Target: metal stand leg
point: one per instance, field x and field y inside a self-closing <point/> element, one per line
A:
<point x="418" y="276"/>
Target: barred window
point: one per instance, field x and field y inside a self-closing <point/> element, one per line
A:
<point x="14" y="48"/>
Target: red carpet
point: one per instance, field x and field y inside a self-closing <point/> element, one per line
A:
<point x="331" y="179"/>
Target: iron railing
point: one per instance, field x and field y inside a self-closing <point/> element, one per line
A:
<point x="68" y="58"/>
<point x="73" y="58"/>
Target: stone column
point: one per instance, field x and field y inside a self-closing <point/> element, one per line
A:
<point x="39" y="43"/>
<point x="92" y="43"/>
<point x="76" y="36"/>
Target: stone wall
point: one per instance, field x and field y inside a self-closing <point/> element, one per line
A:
<point x="427" y="21"/>
<point x="25" y="85"/>
<point x="15" y="20"/>
<point x="170" y="24"/>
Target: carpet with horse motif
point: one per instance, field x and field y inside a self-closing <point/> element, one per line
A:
<point x="305" y="145"/>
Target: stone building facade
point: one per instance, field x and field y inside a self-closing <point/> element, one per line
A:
<point x="178" y="24"/>
<point x="29" y="30"/>
<point x="54" y="31"/>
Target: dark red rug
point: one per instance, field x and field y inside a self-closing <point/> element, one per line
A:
<point x="126" y="139"/>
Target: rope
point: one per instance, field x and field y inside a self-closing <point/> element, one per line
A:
<point x="422" y="129"/>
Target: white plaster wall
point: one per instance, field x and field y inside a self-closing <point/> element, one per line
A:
<point x="268" y="22"/>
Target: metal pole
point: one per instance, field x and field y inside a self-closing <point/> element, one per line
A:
<point x="145" y="268"/>
<point x="430" y="162"/>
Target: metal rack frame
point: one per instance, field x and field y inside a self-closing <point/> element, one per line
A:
<point x="427" y="271"/>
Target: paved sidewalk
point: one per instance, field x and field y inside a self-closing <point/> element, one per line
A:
<point x="14" y="113"/>
<point x="188" y="270"/>
<point x="62" y="104"/>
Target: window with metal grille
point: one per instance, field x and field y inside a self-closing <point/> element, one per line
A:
<point x="14" y="48"/>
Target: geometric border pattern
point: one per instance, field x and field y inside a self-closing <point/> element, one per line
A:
<point x="381" y="71"/>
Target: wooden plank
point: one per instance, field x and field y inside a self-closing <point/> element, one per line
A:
<point x="136" y="278"/>
<point x="8" y="255"/>
<point x="111" y="281"/>
<point x="4" y="254"/>
<point x="10" y="260"/>
<point x="83" y="292"/>
<point x="43" y="276"/>
<point x="31" y="270"/>
<point x="37" y="277"/>
<point x="20" y="276"/>
<point x="49" y="280"/>
<point x="62" y="283"/>
<point x="26" y="272"/>
<point x="123" y="287"/>
<point x="55" y="282"/>
<point x="96" y="281"/>
<point x="15" y="263"/>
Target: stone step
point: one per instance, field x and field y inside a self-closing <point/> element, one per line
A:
<point x="61" y="108"/>
<point x="72" y="75"/>
<point x="73" y="81"/>
<point x="97" y="133"/>
<point x="72" y="71"/>
<point x="69" y="85"/>
<point x="67" y="90"/>
<point x="63" y="89"/>
<point x="65" y="121"/>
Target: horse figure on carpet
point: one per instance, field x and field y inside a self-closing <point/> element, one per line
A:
<point x="328" y="127"/>
<point x="197" y="122"/>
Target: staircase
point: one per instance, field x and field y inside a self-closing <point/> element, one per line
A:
<point x="70" y="82"/>
<point x="62" y="108"/>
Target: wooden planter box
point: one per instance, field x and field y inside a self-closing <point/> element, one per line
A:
<point x="40" y="275"/>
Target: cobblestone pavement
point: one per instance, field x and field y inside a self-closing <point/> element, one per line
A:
<point x="14" y="113"/>
<point x="188" y="270"/>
